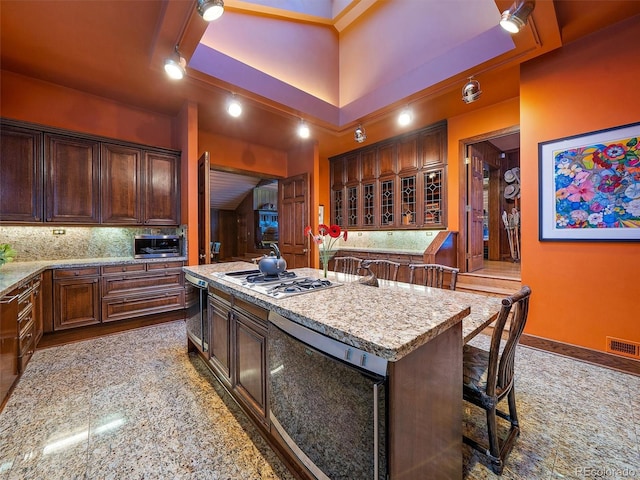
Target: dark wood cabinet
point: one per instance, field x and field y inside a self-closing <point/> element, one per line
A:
<point x="161" y="197"/>
<point x="250" y="365"/>
<point x="76" y="297"/>
<point x="120" y="188"/>
<point x="140" y="289"/>
<point x="397" y="183"/>
<point x="8" y="342"/>
<point x="72" y="179"/>
<point x="238" y="350"/>
<point x="21" y="178"/>
<point x="60" y="177"/>
<point x="219" y="315"/>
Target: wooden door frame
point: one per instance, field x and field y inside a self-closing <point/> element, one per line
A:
<point x="463" y="186"/>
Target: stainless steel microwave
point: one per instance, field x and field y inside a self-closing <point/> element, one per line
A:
<point x="156" y="246"/>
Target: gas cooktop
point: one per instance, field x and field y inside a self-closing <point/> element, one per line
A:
<point x="282" y="285"/>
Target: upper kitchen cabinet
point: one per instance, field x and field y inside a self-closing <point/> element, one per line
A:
<point x="161" y="198"/>
<point x="396" y="183"/>
<point x="21" y="174"/>
<point x="120" y="190"/>
<point x="61" y="177"/>
<point x="72" y="179"/>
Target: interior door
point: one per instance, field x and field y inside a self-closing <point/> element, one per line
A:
<point x="475" y="243"/>
<point x="204" y="206"/>
<point x="293" y="216"/>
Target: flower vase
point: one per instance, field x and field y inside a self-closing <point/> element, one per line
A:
<point x="324" y="259"/>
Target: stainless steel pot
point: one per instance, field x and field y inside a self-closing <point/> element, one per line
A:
<point x="272" y="264"/>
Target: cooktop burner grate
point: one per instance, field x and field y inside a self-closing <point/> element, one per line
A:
<point x="263" y="278"/>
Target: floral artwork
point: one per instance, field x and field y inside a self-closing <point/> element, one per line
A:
<point x="590" y="188"/>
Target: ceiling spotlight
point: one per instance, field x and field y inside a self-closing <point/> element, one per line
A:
<point x="405" y="117"/>
<point x="514" y="19"/>
<point x="234" y="108"/>
<point x="210" y="9"/>
<point x="471" y="91"/>
<point x="303" y="130"/>
<point x="359" y="134"/>
<point x="175" y="65"/>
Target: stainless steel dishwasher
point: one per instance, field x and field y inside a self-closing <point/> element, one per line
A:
<point x="197" y="315"/>
<point x="327" y="402"/>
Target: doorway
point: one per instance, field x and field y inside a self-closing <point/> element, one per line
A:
<point x="490" y="228"/>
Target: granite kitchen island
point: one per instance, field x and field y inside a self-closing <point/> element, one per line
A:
<point x="417" y="336"/>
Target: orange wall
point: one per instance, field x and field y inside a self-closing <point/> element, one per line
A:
<point x="187" y="126"/>
<point x="478" y="122"/>
<point x="27" y="99"/>
<point x="582" y="291"/>
<point x="243" y="156"/>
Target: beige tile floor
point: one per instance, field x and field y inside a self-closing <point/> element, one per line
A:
<point x="135" y="406"/>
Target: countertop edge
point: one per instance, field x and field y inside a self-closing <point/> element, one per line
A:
<point x="14" y="273"/>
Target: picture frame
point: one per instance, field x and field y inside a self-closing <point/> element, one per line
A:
<point x="589" y="186"/>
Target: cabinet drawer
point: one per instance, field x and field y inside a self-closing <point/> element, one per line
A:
<point x="131" y="284"/>
<point x="76" y="272"/>
<point x="26" y="346"/>
<point x="119" y="308"/>
<point x="24" y="318"/>
<point x="116" y="269"/>
<point x="166" y="264"/>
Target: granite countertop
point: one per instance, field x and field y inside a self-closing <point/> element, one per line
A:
<point x="13" y="273"/>
<point x="390" y="321"/>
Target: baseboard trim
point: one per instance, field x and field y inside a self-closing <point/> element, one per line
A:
<point x="603" y="359"/>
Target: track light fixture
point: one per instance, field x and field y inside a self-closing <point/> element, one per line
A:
<point x="471" y="91"/>
<point x="175" y="65"/>
<point x="303" y="130"/>
<point x="514" y="19"/>
<point x="234" y="108"/>
<point x="405" y="117"/>
<point x="210" y="9"/>
<point x="359" y="134"/>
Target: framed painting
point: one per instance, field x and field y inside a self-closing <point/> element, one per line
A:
<point x="590" y="186"/>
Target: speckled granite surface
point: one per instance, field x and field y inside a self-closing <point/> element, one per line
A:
<point x="142" y="408"/>
<point x="13" y="273"/>
<point x="390" y="321"/>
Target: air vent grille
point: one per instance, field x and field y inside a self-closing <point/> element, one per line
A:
<point x="623" y="347"/>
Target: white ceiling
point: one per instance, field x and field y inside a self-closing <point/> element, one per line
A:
<point x="229" y="189"/>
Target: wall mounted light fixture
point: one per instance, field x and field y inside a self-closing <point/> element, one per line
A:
<point x="210" y="9"/>
<point x="471" y="91"/>
<point x="234" y="108"/>
<point x="359" y="135"/>
<point x="515" y="18"/>
<point x="175" y="65"/>
<point x="303" y="130"/>
<point x="405" y="117"/>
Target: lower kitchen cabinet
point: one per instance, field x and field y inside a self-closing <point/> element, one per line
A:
<point x="238" y="350"/>
<point x="250" y="361"/>
<point x="141" y="289"/>
<point x="8" y="342"/>
<point x="76" y="297"/>
<point x="219" y="313"/>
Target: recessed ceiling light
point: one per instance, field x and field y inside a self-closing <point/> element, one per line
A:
<point x="405" y="117"/>
<point x="303" y="130"/>
<point x="234" y="108"/>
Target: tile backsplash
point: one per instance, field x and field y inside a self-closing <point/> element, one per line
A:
<point x="404" y="240"/>
<point x="39" y="243"/>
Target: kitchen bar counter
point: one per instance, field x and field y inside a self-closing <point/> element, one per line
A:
<point x="390" y="321"/>
<point x="13" y="273"/>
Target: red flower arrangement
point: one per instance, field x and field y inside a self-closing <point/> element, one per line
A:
<point x="326" y="246"/>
